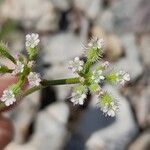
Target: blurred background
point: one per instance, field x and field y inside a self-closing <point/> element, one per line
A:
<point x="46" y="119"/>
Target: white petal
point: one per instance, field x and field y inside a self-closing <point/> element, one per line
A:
<point x="81" y="101"/>
<point x="76" y="59"/>
<point x="102" y="77"/>
<point x="111" y="113"/>
<point x="127" y="77"/>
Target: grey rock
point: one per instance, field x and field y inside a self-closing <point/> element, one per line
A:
<point x="131" y="62"/>
<point x="29" y="15"/>
<point x="16" y="42"/>
<point x="114" y="48"/>
<point x="50" y="127"/>
<point x="132" y="17"/>
<point x="62" y="4"/>
<point x="142" y="142"/>
<point x="61" y="48"/>
<point x="91" y="8"/>
<point x="15" y="146"/>
<point x="145" y="51"/>
<point x="141" y="103"/>
<point x="143" y="108"/>
<point x="107" y="20"/>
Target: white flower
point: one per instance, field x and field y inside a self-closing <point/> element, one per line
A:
<point x="34" y="79"/>
<point x="110" y="109"/>
<point x="105" y="64"/>
<point x="123" y="77"/>
<point x="78" y="98"/>
<point x="76" y="65"/>
<point x="18" y="68"/>
<point x="8" y="97"/>
<point x="96" y="43"/>
<point x="97" y="76"/>
<point x="31" y="64"/>
<point x="32" y="40"/>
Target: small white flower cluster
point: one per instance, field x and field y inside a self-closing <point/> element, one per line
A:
<point x="8" y="97"/>
<point x="109" y="109"/>
<point x="96" y="43"/>
<point x="122" y="77"/>
<point x="76" y="65"/>
<point x="78" y="96"/>
<point x="34" y="79"/>
<point x="97" y="76"/>
<point x="19" y="67"/>
<point x="32" y="40"/>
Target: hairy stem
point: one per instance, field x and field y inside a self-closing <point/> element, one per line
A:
<point x="46" y="83"/>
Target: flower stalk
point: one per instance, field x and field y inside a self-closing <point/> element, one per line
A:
<point x="46" y="83"/>
<point x="87" y="79"/>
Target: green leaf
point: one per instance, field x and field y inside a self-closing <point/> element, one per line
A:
<point x="4" y="52"/>
<point x="4" y="69"/>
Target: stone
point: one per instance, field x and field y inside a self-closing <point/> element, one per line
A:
<point x="50" y="127"/>
<point x="131" y="62"/>
<point x="113" y="45"/>
<point x="106" y="20"/>
<point x="16" y="42"/>
<point x="114" y="48"/>
<point x="29" y="15"/>
<point x="69" y="47"/>
<point x="142" y="142"/>
<point x="139" y="97"/>
<point x="91" y="8"/>
<point x="143" y="108"/>
<point x="131" y="17"/>
<point x="144" y="49"/>
<point x="98" y="31"/>
<point x="15" y="146"/>
<point x="62" y="4"/>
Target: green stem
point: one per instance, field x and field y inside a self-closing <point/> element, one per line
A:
<point x="46" y="83"/>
